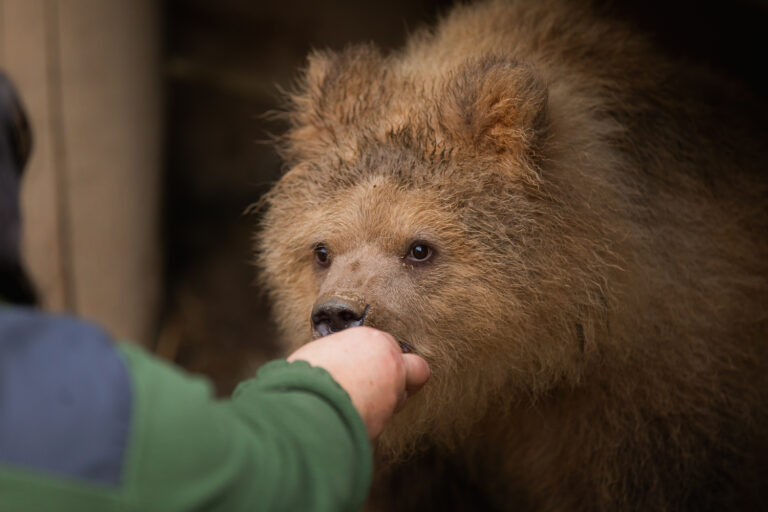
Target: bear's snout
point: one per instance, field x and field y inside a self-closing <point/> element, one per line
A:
<point x="335" y="314"/>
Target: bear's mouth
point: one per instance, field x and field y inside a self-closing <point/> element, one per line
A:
<point x="405" y="346"/>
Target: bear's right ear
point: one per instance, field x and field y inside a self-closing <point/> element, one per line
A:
<point x="336" y="93"/>
<point x="495" y="105"/>
<point x="303" y="111"/>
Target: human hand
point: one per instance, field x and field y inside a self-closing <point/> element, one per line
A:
<point x="371" y="367"/>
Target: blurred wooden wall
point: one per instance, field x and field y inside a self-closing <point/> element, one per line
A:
<point x="88" y="72"/>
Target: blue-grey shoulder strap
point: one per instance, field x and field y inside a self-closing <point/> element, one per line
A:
<point x="65" y="397"/>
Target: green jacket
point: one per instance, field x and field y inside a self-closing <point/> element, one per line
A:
<point x="288" y="439"/>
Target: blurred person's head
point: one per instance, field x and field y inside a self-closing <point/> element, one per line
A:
<point x="15" y="145"/>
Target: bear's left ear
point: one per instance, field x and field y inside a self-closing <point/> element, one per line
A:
<point x="497" y="105"/>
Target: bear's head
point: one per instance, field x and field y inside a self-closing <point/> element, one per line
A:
<point x="414" y="203"/>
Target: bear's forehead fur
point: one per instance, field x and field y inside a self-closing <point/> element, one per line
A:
<point x="357" y="108"/>
<point x="456" y="149"/>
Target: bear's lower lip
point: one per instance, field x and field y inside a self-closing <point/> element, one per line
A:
<point x="405" y="346"/>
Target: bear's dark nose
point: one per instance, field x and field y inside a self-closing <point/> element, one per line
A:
<point x="334" y="315"/>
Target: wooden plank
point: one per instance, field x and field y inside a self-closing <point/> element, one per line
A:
<point x="110" y="85"/>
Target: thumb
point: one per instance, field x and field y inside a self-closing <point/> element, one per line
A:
<point x="417" y="372"/>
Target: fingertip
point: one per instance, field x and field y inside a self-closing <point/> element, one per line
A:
<point x="417" y="372"/>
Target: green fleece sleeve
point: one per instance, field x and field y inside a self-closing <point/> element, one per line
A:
<point x="289" y="439"/>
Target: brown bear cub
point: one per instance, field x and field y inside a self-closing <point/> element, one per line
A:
<point x="570" y="227"/>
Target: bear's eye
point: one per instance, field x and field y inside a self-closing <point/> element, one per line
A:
<point x="322" y="257"/>
<point x="419" y="252"/>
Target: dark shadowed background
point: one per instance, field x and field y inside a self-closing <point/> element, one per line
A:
<point x="150" y="127"/>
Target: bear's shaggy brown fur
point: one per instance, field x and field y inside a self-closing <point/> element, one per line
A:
<point x="595" y="305"/>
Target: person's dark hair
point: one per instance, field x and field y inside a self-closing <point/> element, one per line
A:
<point x="15" y="147"/>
